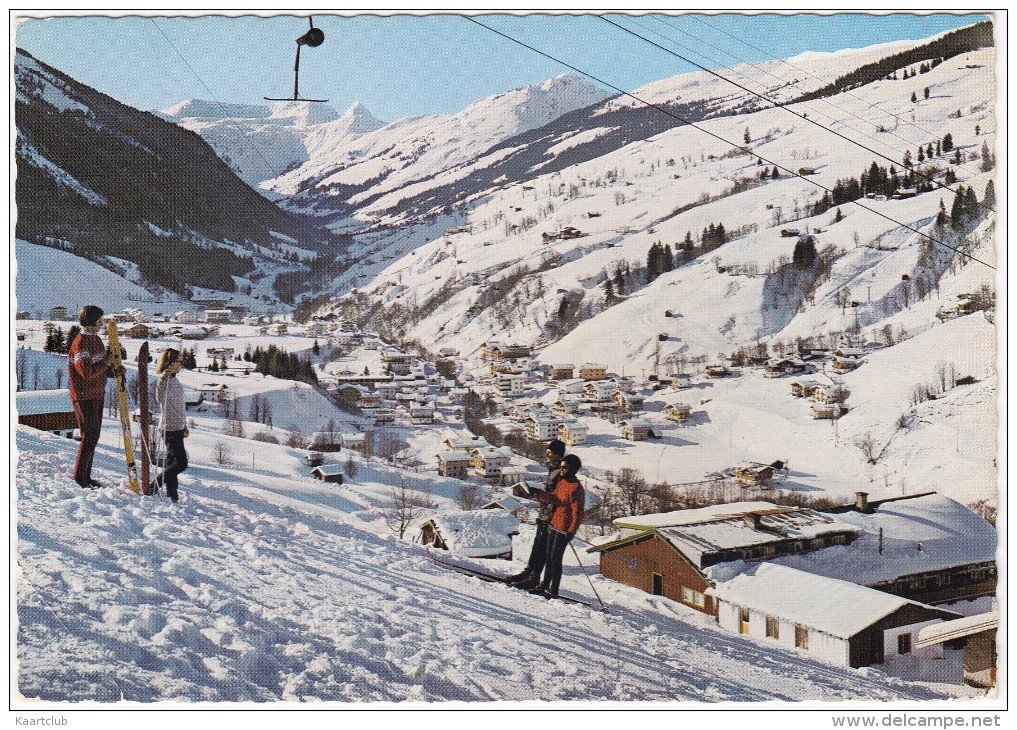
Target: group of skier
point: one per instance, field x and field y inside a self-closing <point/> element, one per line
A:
<point x="89" y="364"/>
<point x="562" y="504"/>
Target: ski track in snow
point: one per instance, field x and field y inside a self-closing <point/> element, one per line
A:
<point x="237" y="595"/>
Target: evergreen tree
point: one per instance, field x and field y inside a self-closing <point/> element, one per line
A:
<point x="971" y="207"/>
<point x="608" y="290"/>
<point x="839" y="217"/>
<point x="928" y="151"/>
<point x="939" y="148"/>
<point x="921" y="154"/>
<point x="914" y="98"/>
<point x="957" y="209"/>
<point x="941" y="217"/>
<point x="747" y="137"/>
<point x="775" y="175"/>
<point x="987" y="160"/>
<point x="316" y="349"/>
<point x="947" y="142"/>
<point x="989" y="201"/>
<point x="950" y="177"/>
<point x="805" y="252"/>
<point x="978" y="129"/>
<point x="668" y="258"/>
<point x="188" y="360"/>
<point x="926" y="92"/>
<point x="907" y="158"/>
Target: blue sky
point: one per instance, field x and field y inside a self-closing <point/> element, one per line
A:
<point x="401" y="66"/>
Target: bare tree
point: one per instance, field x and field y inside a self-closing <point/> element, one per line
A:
<point x="632" y="488"/>
<point x="407" y="507"/>
<point x="866" y="443"/>
<point x="222" y="453"/>
<point x="233" y="427"/>
<point x="351" y="468"/>
<point x="469" y="497"/>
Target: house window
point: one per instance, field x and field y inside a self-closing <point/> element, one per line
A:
<point x="743" y="620"/>
<point x="695" y="598"/>
<point x="768" y="551"/>
<point x="817" y="543"/>
<point x="658" y="584"/>
<point x="838" y="540"/>
<point x="904" y="644"/>
<point x="801" y="636"/>
<point x="772" y="627"/>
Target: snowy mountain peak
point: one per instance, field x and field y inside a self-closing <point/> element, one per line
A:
<point x="359" y="120"/>
<point x="207" y="110"/>
<point x="304" y="113"/>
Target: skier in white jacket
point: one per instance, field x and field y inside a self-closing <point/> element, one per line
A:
<point x="169" y="394"/>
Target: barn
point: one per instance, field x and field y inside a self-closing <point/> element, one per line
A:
<point x="47" y="410"/>
<point x="328" y="473"/>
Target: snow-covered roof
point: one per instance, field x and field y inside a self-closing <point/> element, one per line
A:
<point x="329" y="470"/>
<point x="38" y="402"/>
<point x="789" y="523"/>
<point x="453" y="455"/>
<point x="832" y="606"/>
<point x="957" y="629"/>
<point x="919" y="535"/>
<point x="690" y="516"/>
<point x="475" y="533"/>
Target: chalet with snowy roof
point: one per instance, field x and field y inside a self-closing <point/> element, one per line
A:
<point x="571" y="387"/>
<point x="219" y="316"/>
<point x="138" y="331"/>
<point x="796" y="610"/>
<point x="498" y="350"/>
<point x="488" y="462"/>
<point x="635" y="429"/>
<point x="512" y="474"/>
<point x="398" y="363"/>
<point x="627" y="402"/>
<point x="47" y="410"/>
<point x="332" y="473"/>
<point x="564" y="408"/>
<point x="826" y="411"/>
<point x="542" y="428"/>
<point x="192" y="333"/>
<point x="384" y="415"/>
<point x="185" y="316"/>
<point x="561" y="371"/>
<point x="454" y="464"/>
<point x="754" y="475"/>
<point x="779" y="367"/>
<point x="367" y="399"/>
<point x="58" y="314"/>
<point x="845" y="364"/>
<point x="421" y="413"/>
<point x="678" y="412"/>
<point x="573" y="433"/>
<point x="717" y="370"/>
<point x="472" y="534"/>
<point x="680" y="381"/>
<point x="592" y="371"/>
<point x="805" y="388"/>
<point x="598" y="392"/>
<point x="281" y="328"/>
<point x="463" y="442"/>
<point x="510" y="386"/>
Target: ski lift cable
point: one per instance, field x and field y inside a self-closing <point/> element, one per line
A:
<point x="798" y="69"/>
<point x="793" y="83"/>
<point x="222" y="107"/>
<point x="778" y="104"/>
<point x="762" y="70"/>
<point x="692" y="124"/>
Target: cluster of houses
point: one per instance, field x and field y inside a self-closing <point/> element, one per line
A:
<point x="857" y="585"/>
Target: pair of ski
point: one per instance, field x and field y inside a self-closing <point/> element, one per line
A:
<point x="138" y="486"/>
<point x="492" y="578"/>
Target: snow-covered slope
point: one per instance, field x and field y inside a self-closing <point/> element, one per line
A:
<point x="268" y="586"/>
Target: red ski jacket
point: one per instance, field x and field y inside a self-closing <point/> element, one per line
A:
<point x="86" y="367"/>
<point x="567" y="501"/>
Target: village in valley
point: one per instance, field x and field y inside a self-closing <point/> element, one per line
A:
<point x="787" y="431"/>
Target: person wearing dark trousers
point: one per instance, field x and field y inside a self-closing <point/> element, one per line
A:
<point x="530" y="576"/>
<point x="567" y="502"/>
<point x="169" y="394"/>
<point x="88" y="367"/>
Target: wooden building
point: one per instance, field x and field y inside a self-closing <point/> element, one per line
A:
<point x="678" y="412"/>
<point x="635" y="429"/>
<point x="454" y="463"/>
<point x="328" y="473"/>
<point x="483" y="533"/>
<point x="47" y="410"/>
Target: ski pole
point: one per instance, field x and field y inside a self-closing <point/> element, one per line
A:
<point x="576" y="553"/>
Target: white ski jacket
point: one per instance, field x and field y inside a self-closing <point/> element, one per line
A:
<point x="169" y="394"/>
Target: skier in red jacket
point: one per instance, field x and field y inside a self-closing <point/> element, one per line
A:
<point x="566" y="501"/>
<point x="88" y="366"/>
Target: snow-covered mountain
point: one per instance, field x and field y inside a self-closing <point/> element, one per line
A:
<point x="264" y="142"/>
<point x="103" y="180"/>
